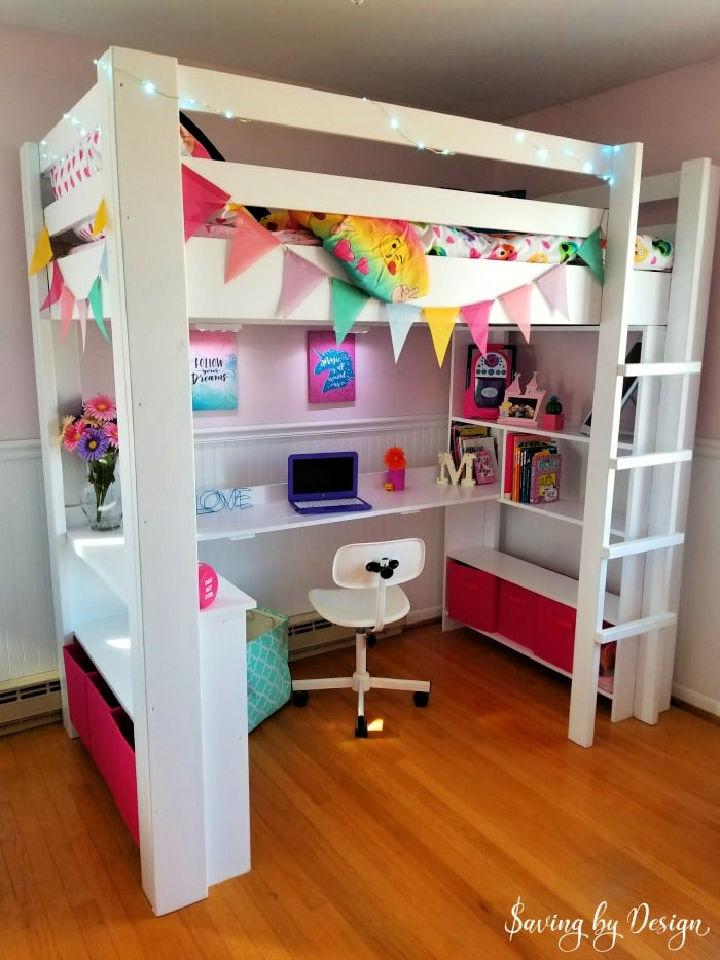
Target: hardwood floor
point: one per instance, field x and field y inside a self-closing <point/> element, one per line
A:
<point x="413" y="844"/>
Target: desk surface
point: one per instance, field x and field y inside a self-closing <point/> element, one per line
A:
<point x="271" y="510"/>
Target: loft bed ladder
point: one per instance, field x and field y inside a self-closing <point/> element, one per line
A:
<point x="658" y="492"/>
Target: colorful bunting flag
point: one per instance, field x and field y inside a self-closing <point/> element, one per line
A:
<point x="401" y="317"/>
<point x="553" y="286"/>
<point x="67" y="308"/>
<point x="346" y="302"/>
<point x="42" y="254"/>
<point x="517" y="304"/>
<point x="101" y="219"/>
<point x="82" y="268"/>
<point x="441" y="321"/>
<point x="82" y="309"/>
<point x="591" y="252"/>
<point x="201" y="199"/>
<point x="300" y="277"/>
<point x="477" y="317"/>
<point x="55" y="289"/>
<point x="249" y="242"/>
<point x="96" y="304"/>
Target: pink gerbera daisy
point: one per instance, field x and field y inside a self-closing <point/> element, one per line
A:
<point x="100" y="407"/>
<point x="71" y="434"/>
<point x="111" y="432"/>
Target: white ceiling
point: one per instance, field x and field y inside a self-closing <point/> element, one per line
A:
<point x="484" y="58"/>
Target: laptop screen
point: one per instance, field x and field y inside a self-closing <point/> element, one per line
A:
<point x="322" y="475"/>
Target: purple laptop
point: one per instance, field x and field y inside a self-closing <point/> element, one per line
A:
<point x="324" y="483"/>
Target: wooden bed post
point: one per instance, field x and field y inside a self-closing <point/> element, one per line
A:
<point x="146" y="256"/>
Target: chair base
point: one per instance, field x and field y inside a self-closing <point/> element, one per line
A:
<point x="361" y="682"/>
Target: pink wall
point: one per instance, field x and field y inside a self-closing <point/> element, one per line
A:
<point x="42" y="76"/>
<point x="675" y="116"/>
<point x="272" y="378"/>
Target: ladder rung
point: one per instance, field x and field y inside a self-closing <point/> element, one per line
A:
<point x="684" y="368"/>
<point x="635" y="628"/>
<point x="629" y="548"/>
<point x="632" y="461"/>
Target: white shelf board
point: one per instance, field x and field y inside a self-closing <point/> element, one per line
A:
<point x="527" y="652"/>
<point x="105" y="554"/>
<point x="555" y="586"/>
<point x="272" y="512"/>
<point x="569" y="511"/>
<point x="107" y="643"/>
<point x="571" y="431"/>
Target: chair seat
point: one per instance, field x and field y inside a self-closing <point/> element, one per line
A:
<point x="356" y="608"/>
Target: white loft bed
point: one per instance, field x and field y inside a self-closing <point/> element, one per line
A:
<point x="191" y="767"/>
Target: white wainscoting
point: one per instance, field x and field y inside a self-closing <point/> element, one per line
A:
<point x="278" y="569"/>
<point x="697" y="661"/>
<point x="27" y="642"/>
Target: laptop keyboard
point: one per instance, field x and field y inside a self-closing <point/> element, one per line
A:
<point x="351" y="502"/>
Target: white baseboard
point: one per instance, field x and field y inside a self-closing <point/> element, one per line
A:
<point x="423" y="615"/>
<point x="695" y="699"/>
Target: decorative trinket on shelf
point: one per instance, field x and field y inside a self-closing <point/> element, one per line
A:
<point x="553" y="418"/>
<point x="450" y="474"/>
<point x="93" y="436"/>
<point x="395" y="461"/>
<point x="213" y="501"/>
<point x="522" y="407"/>
<point x="389" y="488"/>
<point x="207" y="584"/>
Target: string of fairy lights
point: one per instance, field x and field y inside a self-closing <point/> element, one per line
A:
<point x="542" y="152"/>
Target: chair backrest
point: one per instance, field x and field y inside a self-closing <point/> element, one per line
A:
<point x="349" y="566"/>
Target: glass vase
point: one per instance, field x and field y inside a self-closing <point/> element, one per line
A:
<point x="100" y="497"/>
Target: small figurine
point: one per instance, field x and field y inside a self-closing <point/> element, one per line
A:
<point x="553" y="418"/>
<point x="395" y="461"/>
<point x="389" y="487"/>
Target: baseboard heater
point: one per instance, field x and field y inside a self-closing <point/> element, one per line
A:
<point x="309" y="634"/>
<point x="28" y="702"/>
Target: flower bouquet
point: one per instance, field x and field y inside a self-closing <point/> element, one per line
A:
<point x="93" y="436"/>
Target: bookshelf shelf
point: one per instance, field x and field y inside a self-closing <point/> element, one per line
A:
<point x="569" y="511"/>
<point x="571" y="431"/>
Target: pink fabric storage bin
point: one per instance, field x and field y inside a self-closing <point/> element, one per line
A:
<point x="555" y="633"/>
<point x="78" y="666"/>
<point x="100" y="701"/>
<point x="517" y="614"/>
<point x="472" y="596"/>
<point x="123" y="778"/>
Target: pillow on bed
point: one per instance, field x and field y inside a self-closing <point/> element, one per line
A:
<point x="383" y="257"/>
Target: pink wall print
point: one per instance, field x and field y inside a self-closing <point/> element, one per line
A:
<point x="331" y="368"/>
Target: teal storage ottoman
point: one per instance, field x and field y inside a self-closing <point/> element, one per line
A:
<point x="268" y="674"/>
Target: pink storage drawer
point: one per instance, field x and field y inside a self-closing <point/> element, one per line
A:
<point x="472" y="596"/>
<point x="517" y="614"/>
<point x="100" y="701"/>
<point x="555" y="633"/>
<point x="123" y="777"/>
<point x="78" y="666"/>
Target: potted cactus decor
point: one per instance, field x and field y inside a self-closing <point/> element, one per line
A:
<point x="553" y="418"/>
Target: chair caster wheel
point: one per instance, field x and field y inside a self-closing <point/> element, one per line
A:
<point x="361" y="727"/>
<point x="300" y="698"/>
<point x="371" y="639"/>
<point x="421" y="698"/>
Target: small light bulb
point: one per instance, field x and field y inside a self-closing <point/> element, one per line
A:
<point x="394" y="123"/>
<point x="149" y="87"/>
<point x="519" y="135"/>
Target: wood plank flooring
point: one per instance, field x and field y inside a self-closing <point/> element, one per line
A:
<point x="412" y="845"/>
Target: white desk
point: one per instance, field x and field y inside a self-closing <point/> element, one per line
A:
<point x="271" y="510"/>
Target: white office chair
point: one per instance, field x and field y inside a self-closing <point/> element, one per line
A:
<point x="367" y="602"/>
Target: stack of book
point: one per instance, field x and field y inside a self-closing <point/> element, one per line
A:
<point x="533" y="466"/>
<point x="477" y="440"/>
